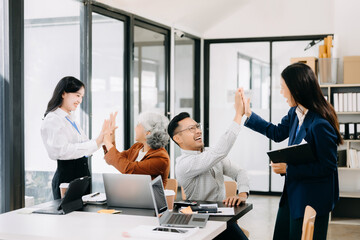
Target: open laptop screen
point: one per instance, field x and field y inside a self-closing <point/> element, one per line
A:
<point x="159" y="195"/>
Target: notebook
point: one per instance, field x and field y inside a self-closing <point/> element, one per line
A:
<point x="72" y="200"/>
<point x="170" y="219"/>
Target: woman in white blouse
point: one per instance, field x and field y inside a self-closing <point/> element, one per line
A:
<point x="63" y="138"/>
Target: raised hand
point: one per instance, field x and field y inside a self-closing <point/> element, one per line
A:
<point x="247" y="106"/>
<point x="239" y="105"/>
<point x="112" y="125"/>
<point x="100" y="138"/>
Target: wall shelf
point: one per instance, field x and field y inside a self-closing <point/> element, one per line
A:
<point x="350" y="194"/>
<point x="346" y="210"/>
<point x="348" y="113"/>
<point x="348" y="169"/>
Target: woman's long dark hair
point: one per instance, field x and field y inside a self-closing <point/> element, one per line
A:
<point x="305" y="90"/>
<point x="66" y="84"/>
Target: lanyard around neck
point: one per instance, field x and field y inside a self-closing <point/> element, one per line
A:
<point x="73" y="124"/>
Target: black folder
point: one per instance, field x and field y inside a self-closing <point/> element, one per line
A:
<point x="296" y="154"/>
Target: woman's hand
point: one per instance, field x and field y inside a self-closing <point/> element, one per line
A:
<point x="239" y="105"/>
<point x="100" y="138"/>
<point x="108" y="134"/>
<point x="112" y="125"/>
<point x="279" y="168"/>
<point x="247" y="106"/>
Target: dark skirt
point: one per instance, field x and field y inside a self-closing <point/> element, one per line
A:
<point x="68" y="170"/>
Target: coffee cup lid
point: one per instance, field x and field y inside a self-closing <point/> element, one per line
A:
<point x="169" y="192"/>
<point x="64" y="185"/>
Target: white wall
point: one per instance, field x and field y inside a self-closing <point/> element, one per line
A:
<point x="346" y="27"/>
<point x="276" y="18"/>
<point x="290" y="17"/>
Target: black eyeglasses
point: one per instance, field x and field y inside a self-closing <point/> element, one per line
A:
<point x="191" y="128"/>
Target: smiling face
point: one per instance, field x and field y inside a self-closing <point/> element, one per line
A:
<point x="286" y="93"/>
<point x="186" y="138"/>
<point x="72" y="100"/>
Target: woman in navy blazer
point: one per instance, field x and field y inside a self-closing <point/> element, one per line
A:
<point x="313" y="119"/>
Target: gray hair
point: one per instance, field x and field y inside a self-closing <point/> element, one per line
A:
<point x="156" y="124"/>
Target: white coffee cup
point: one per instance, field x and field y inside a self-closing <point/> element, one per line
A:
<point x="170" y="198"/>
<point x="63" y="188"/>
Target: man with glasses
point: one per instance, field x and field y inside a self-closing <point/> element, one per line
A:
<point x="200" y="171"/>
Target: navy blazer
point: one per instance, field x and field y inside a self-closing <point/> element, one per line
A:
<point x="315" y="184"/>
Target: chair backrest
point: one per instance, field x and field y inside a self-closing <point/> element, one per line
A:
<point x="172" y="184"/>
<point x="230" y="188"/>
<point x="308" y="223"/>
<point x="183" y="195"/>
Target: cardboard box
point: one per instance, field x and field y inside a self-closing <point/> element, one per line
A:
<point x="351" y="69"/>
<point x="310" y="61"/>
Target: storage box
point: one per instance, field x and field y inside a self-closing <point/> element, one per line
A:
<point x="310" y="61"/>
<point x="351" y="69"/>
<point x="328" y="69"/>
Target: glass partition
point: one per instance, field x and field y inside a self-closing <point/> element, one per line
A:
<point x="2" y="117"/>
<point x="184" y="80"/>
<point x="107" y="86"/>
<point x="246" y="65"/>
<point x="52" y="51"/>
<point x="149" y="73"/>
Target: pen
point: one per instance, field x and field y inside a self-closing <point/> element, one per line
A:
<point x="95" y="194"/>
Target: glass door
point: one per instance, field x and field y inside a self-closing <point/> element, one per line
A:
<point x="150" y="70"/>
<point x="107" y="87"/>
<point x="51" y="52"/>
<point x="246" y="65"/>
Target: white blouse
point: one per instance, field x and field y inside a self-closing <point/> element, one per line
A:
<point x="141" y="155"/>
<point x="61" y="139"/>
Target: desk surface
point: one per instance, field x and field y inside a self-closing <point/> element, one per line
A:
<point x="239" y="211"/>
<point x="86" y="225"/>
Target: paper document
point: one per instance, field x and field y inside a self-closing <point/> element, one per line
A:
<point x="213" y="205"/>
<point x="94" y="198"/>
<point x="224" y="211"/>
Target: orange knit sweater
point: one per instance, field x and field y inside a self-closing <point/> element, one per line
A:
<point x="155" y="162"/>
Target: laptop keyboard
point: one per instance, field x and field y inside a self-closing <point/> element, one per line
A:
<point x="179" y="219"/>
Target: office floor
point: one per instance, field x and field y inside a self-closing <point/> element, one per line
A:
<point x="261" y="220"/>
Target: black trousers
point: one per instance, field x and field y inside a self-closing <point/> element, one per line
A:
<point x="232" y="231"/>
<point x="287" y="228"/>
<point x="68" y="170"/>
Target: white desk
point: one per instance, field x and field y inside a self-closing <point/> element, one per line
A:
<point x="84" y="225"/>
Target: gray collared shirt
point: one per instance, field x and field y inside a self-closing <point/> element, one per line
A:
<point x="201" y="174"/>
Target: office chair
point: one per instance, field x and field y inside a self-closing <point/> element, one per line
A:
<point x="172" y="184"/>
<point x="308" y="223"/>
<point x="230" y="188"/>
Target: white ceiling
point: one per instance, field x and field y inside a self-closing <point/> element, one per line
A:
<point x="193" y="16"/>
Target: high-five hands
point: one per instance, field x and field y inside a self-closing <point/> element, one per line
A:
<point x="247" y="106"/>
<point x="239" y="105"/>
<point x="109" y="131"/>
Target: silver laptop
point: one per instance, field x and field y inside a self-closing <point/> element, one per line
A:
<point x="170" y="219"/>
<point x="128" y="190"/>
